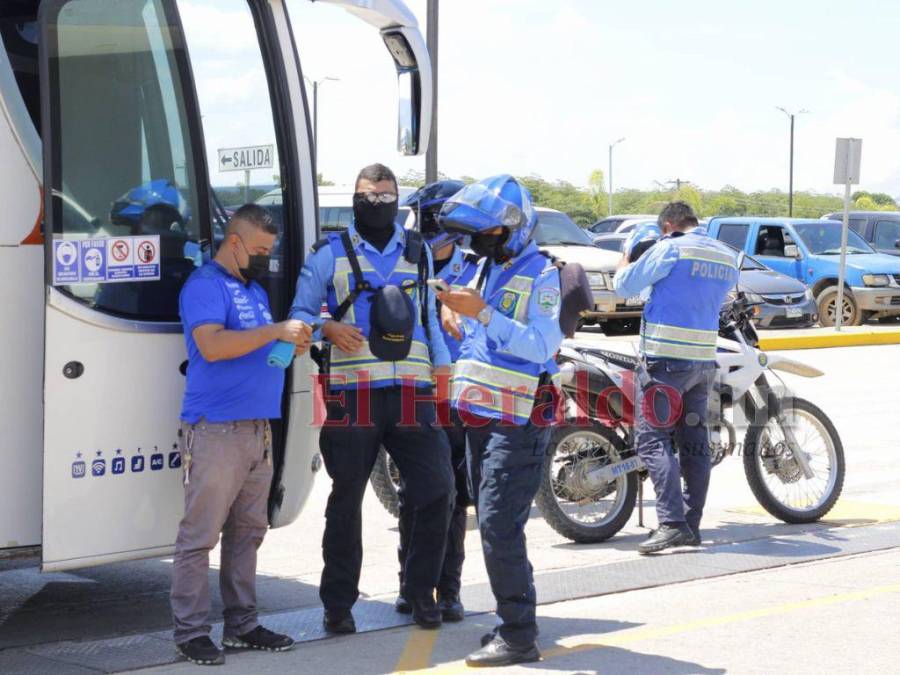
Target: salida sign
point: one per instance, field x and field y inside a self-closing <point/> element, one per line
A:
<point x="246" y="158"/>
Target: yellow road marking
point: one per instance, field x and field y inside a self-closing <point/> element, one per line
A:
<point x="829" y="339"/>
<point x="585" y="643"/>
<point x="845" y="512"/>
<point x="417" y="651"/>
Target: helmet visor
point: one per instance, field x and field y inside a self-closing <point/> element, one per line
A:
<point x="476" y="208"/>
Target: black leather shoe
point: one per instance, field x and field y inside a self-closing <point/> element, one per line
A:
<point x="664" y="537"/>
<point x="693" y="538"/>
<point x="425" y="612"/>
<point x="402" y="606"/>
<point x="497" y="653"/>
<point x="338" y="622"/>
<point x="452" y="609"/>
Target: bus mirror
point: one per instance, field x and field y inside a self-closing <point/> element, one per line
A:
<point x="410" y="55"/>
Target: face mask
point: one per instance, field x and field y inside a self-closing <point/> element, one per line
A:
<point x="257" y="265"/>
<point x="370" y="217"/>
<point x="429" y="226"/>
<point x="490" y="246"/>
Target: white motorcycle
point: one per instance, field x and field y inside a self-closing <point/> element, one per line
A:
<point x="792" y="454"/>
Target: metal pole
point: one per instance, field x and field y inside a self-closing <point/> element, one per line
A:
<point x="839" y="302"/>
<point x="431" y="154"/>
<point x="610" y="209"/>
<point x="791" y="174"/>
<point x="316" y="125"/>
<point x="247" y="186"/>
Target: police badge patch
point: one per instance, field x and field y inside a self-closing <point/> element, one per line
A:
<point x="547" y="299"/>
<point x="508" y="302"/>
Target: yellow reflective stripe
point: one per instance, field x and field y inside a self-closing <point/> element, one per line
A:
<point x="462" y="382"/>
<point x="496" y="375"/>
<point x="672" y="350"/>
<point x="708" y="255"/>
<point x="521" y="406"/>
<point x="692" y="335"/>
<point x="417" y="350"/>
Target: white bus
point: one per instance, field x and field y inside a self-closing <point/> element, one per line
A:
<point x="110" y="113"/>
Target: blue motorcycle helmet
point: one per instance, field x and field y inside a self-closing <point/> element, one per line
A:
<point x="498" y="201"/>
<point x="640" y="239"/>
<point x="152" y="208"/>
<point x="427" y="202"/>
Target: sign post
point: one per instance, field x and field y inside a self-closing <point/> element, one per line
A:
<point x="848" y="152"/>
<point x="247" y="159"/>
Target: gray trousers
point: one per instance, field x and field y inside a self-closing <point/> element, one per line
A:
<point x="228" y="474"/>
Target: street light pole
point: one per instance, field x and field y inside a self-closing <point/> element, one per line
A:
<point x="611" y="146"/>
<point x="791" y="116"/>
<point x="431" y="154"/>
<point x="315" y="87"/>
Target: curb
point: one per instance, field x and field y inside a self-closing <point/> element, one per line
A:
<point x="829" y="339"/>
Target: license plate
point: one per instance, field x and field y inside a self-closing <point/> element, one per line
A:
<point x="793" y="312"/>
<point x="636" y="300"/>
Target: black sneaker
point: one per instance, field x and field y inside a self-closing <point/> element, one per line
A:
<point x="665" y="537"/>
<point x="259" y="638"/>
<point x="202" y="651"/>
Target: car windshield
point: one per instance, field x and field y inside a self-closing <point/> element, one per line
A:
<point x="605" y="226"/>
<point x="751" y="264"/>
<point x="615" y="245"/>
<point x="557" y="229"/>
<point x="825" y="239"/>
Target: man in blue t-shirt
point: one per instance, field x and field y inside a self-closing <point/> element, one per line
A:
<point x="230" y="396"/>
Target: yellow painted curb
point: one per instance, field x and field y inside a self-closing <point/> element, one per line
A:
<point x="829" y="339"/>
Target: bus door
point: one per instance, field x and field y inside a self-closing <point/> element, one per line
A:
<point x="126" y="220"/>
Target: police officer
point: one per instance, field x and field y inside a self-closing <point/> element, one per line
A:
<point x="456" y="268"/>
<point x="386" y="347"/>
<point x="510" y="332"/>
<point x="231" y="394"/>
<point x="690" y="274"/>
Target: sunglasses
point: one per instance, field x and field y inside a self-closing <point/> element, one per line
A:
<point x="377" y="197"/>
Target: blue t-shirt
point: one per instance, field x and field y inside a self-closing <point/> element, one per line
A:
<point x="235" y="389"/>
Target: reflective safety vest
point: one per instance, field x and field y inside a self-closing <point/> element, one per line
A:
<point x="349" y="370"/>
<point x="490" y="382"/>
<point x="458" y="272"/>
<point x="681" y="320"/>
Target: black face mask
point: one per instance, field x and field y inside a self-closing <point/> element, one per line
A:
<point x="374" y="222"/>
<point x="257" y="265"/>
<point x="490" y="246"/>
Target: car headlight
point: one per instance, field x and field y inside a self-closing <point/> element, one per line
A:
<point x="808" y="295"/>
<point x="876" y="279"/>
<point x="754" y="298"/>
<point x="596" y="280"/>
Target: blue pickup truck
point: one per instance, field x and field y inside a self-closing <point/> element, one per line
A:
<point x="809" y="250"/>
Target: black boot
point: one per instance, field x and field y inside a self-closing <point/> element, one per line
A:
<point x="425" y="612"/>
<point x="452" y="609"/>
<point x="497" y="653"/>
<point x="665" y="537"/>
<point x="401" y="604"/>
<point x="338" y="622"/>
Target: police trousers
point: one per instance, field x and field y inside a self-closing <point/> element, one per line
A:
<point x="228" y="474"/>
<point x="350" y="441"/>
<point x="672" y="437"/>
<point x="505" y="463"/>
<point x="450" y="580"/>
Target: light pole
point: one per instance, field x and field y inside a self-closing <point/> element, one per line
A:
<point x="431" y="154"/>
<point x="791" y="171"/>
<point x="315" y="85"/>
<point x="611" y="146"/>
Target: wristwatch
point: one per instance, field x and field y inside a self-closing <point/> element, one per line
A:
<point x="484" y="316"/>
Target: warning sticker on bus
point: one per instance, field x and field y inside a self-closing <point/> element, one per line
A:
<point x="106" y="260"/>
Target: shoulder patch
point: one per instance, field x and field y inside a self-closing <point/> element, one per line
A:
<point x="547" y="300"/>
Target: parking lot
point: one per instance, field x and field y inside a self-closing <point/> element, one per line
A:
<point x="605" y="608"/>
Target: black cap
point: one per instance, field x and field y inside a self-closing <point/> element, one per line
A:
<point x="391" y="322"/>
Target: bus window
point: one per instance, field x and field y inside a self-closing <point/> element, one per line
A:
<point x="236" y="107"/>
<point x="124" y="145"/>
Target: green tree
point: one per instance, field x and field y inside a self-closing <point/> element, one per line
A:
<point x="321" y="180"/>
<point x="598" y="194"/>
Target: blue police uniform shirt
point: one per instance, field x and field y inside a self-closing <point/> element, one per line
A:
<point x="318" y="271"/>
<point x="234" y="389"/>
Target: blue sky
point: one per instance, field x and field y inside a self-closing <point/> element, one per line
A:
<point x="530" y="86"/>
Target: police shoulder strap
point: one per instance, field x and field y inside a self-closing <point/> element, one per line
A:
<point x="414" y="252"/>
<point x="359" y="282"/>
<point x="470" y="259"/>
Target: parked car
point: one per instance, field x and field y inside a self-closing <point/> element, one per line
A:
<point x="558" y="234"/>
<point x="619" y="223"/>
<point x="880" y="228"/>
<point x="809" y="251"/>
<point x="784" y="301"/>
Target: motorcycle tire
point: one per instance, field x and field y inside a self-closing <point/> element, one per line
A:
<point x="385" y="481"/>
<point x="755" y="471"/>
<point x="552" y="510"/>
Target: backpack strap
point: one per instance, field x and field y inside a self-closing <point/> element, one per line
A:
<point x="414" y="252"/>
<point x="470" y="258"/>
<point x="324" y="241"/>
<point x="359" y="282"/>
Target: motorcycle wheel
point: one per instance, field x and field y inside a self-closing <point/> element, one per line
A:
<point x="567" y="505"/>
<point x="385" y="481"/>
<point x="777" y="481"/>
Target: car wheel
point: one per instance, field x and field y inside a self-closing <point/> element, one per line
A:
<point x="827" y="301"/>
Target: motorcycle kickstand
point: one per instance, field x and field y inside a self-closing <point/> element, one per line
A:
<point x="640" y="503"/>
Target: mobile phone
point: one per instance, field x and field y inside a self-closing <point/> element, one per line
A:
<point x="438" y="285"/>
